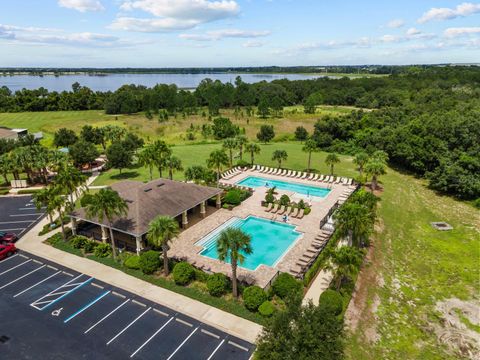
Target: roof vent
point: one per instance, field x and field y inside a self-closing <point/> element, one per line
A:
<point x="161" y="184"/>
<point x="147" y="190"/>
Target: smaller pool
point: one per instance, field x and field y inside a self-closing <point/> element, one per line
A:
<point x="256" y="182"/>
<point x="270" y="240"/>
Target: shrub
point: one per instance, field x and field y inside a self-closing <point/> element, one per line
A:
<point x="183" y="273"/>
<point x="233" y="197"/>
<point x="269" y="198"/>
<point x="331" y="301"/>
<point x="284" y="285"/>
<point x="78" y="242"/>
<point x="266" y="309"/>
<point x="284" y="200"/>
<point x="217" y="284"/>
<point x="132" y="262"/>
<point x="102" y="250"/>
<point x="301" y="204"/>
<point x="476" y="203"/>
<point x="200" y="275"/>
<point x="149" y="261"/>
<point x="243" y="163"/>
<point x="253" y="297"/>
<point x="90" y="246"/>
<point x="307" y="211"/>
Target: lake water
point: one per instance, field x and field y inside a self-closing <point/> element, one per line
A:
<point x="114" y="81"/>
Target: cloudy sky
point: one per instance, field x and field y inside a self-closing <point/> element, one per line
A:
<point x="179" y="33"/>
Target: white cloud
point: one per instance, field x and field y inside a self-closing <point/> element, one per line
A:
<point x="226" y="33"/>
<point x="389" y="38"/>
<point x="174" y="14"/>
<point x="461" y="31"/>
<point x="253" y="44"/>
<point x="413" y="31"/>
<point x="395" y="23"/>
<point x="461" y="10"/>
<point x="82" y="5"/>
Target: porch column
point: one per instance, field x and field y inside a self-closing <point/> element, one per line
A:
<point x="219" y="201"/>
<point x="104" y="233"/>
<point x="139" y="242"/>
<point x="203" y="210"/>
<point x="184" y="220"/>
<point x="74" y="226"/>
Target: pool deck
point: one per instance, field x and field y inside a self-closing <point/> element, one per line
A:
<point x="184" y="246"/>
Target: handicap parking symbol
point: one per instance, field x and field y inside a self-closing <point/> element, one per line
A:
<point x="57" y="312"/>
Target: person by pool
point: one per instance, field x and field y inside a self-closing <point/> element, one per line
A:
<point x="285" y="218"/>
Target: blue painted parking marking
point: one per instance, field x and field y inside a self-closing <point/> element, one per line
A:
<point x="86" y="306"/>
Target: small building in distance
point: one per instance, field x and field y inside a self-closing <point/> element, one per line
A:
<point x="185" y="202"/>
<point x="14" y="134"/>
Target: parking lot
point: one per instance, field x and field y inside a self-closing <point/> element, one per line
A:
<point x="51" y="312"/>
<point x="18" y="214"/>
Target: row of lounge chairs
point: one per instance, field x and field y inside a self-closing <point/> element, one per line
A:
<point x="345" y="195"/>
<point x="309" y="256"/>
<point x="232" y="172"/>
<point x="230" y="186"/>
<point x="282" y="209"/>
<point x="304" y="175"/>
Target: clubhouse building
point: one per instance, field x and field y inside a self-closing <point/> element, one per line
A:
<point x="186" y="202"/>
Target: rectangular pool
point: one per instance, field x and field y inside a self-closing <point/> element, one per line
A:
<point x="270" y="240"/>
<point x="256" y="182"/>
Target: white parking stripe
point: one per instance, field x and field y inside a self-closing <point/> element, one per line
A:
<point x="17" y="222"/>
<point x="238" y="346"/>
<point x="183" y="342"/>
<point x="31" y="287"/>
<point x="150" y="338"/>
<point x="6" y="271"/>
<point x="9" y="258"/>
<point x="125" y="328"/>
<point x="16" y="229"/>
<point x="106" y="316"/>
<point x="32" y="214"/>
<point x="216" y="349"/>
<point x="21" y="277"/>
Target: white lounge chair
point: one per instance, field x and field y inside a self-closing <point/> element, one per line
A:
<point x="332" y="178"/>
<point x="320" y="177"/>
<point x="293" y="174"/>
<point x="264" y="168"/>
<point x="304" y="175"/>
<point x="326" y="179"/>
<point x="289" y="173"/>
<point x="338" y="180"/>
<point x="315" y="178"/>
<point x="275" y="171"/>
<point x="254" y="167"/>
<point x="350" y="181"/>
<point x="285" y="172"/>
<point x="311" y="176"/>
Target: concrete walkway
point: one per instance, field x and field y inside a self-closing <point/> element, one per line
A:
<point x="222" y="320"/>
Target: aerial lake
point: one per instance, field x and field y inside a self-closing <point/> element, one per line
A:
<point x="114" y="81"/>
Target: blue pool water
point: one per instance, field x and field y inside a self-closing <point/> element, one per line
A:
<point x="255" y="182"/>
<point x="270" y="240"/>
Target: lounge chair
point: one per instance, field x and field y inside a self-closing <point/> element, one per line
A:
<point x="304" y="175"/>
<point x="331" y="179"/>
<point x="270" y="170"/>
<point x="294" y="213"/>
<point x="284" y="172"/>
<point x="282" y="210"/>
<point x="350" y="181"/>
<point x="327" y="178"/>
<point x="275" y="210"/>
<point x="269" y="207"/>
<point x="339" y="179"/>
<point x="293" y="174"/>
<point x="320" y="178"/>
<point x="263" y="169"/>
<point x="315" y="178"/>
<point x="275" y="171"/>
<point x="311" y="176"/>
<point x="299" y="175"/>
<point x="301" y="214"/>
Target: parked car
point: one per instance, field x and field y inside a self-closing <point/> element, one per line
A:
<point x="7" y="237"/>
<point x="7" y="250"/>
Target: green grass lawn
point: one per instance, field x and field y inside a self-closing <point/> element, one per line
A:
<point x="197" y="155"/>
<point x="419" y="267"/>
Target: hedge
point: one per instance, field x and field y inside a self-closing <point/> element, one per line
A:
<point x="253" y="297"/>
<point x="217" y="284"/>
<point x="183" y="273"/>
<point x="332" y="301"/>
<point x="285" y="284"/>
<point x="149" y="261"/>
<point x="266" y="309"/>
<point x="133" y="262"/>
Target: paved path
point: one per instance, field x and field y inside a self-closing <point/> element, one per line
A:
<point x="222" y="320"/>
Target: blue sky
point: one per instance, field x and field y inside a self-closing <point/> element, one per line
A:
<point x="180" y="33"/>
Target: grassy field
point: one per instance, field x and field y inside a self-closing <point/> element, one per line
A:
<point x="413" y="269"/>
<point x="172" y="131"/>
<point x="197" y="155"/>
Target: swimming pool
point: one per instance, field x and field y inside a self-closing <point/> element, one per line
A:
<point x="255" y="182"/>
<point x="270" y="240"/>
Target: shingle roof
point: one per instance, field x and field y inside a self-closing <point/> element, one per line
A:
<point x="147" y="200"/>
<point x="7" y="134"/>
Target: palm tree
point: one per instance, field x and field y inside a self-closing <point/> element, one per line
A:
<point x="241" y="141"/>
<point x="347" y="260"/>
<point x="230" y="144"/>
<point x="58" y="203"/>
<point x="71" y="181"/>
<point x="380" y="155"/>
<point x="44" y="199"/>
<point x="161" y="153"/>
<point x="253" y="149"/>
<point x="309" y="147"/>
<point x="360" y="160"/>
<point x="147" y="158"/>
<point x="279" y="155"/>
<point x="331" y="160"/>
<point x="233" y="244"/>
<point x="161" y="231"/>
<point x="174" y="164"/>
<point x="375" y="168"/>
<point x="5" y="166"/>
<point x="354" y="220"/>
<point x="105" y="205"/>
<point x="216" y="160"/>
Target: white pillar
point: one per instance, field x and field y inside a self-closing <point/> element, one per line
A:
<point x="184" y="220"/>
<point x="104" y="233"/>
<point x="139" y="243"/>
<point x="74" y="226"/>
<point x="203" y="210"/>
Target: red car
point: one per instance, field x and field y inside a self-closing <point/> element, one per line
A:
<point x="7" y="250"/>
<point x="7" y="237"/>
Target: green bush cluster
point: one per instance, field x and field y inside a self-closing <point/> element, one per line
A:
<point x="183" y="273"/>
<point x="253" y="297"/>
<point x="217" y="284"/>
<point x="78" y="241"/>
<point x="331" y="301"/>
<point x="476" y="203"/>
<point x="102" y="250"/>
<point x="269" y="198"/>
<point x="285" y="285"/>
<point x="132" y="262"/>
<point x="89" y="246"/>
<point x="149" y="261"/>
<point x="284" y="200"/>
<point x="266" y="309"/>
